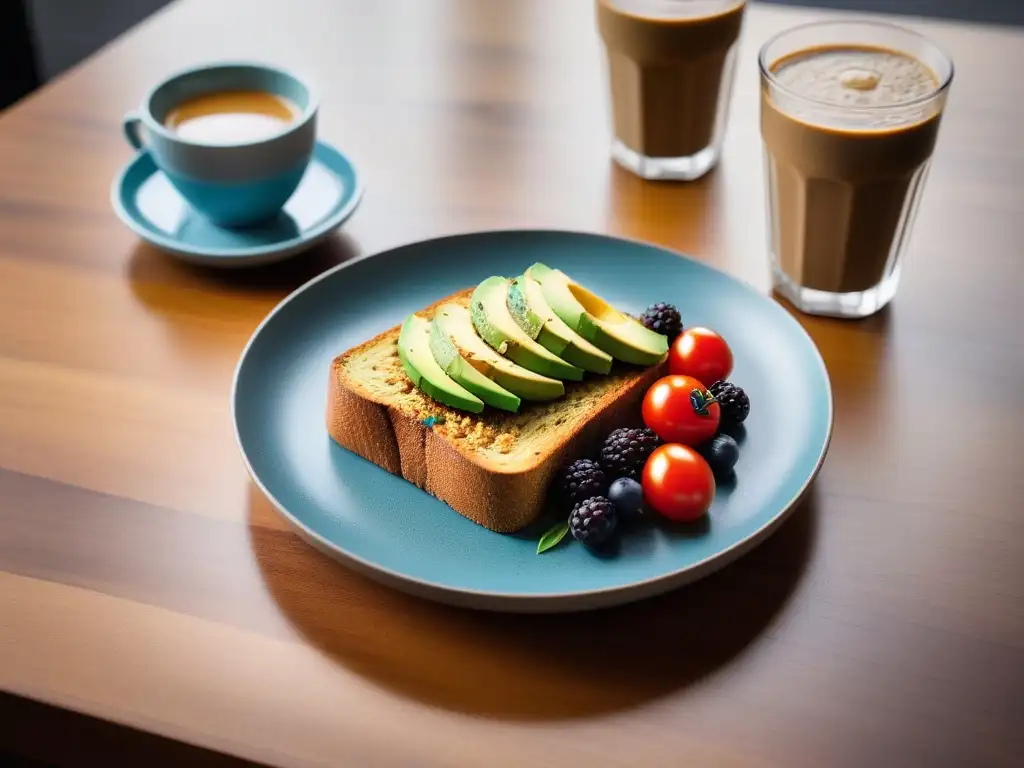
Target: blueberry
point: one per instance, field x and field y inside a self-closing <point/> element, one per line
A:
<point x="722" y="453"/>
<point x="627" y="496"/>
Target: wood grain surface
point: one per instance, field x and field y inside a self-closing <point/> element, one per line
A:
<point x="144" y="581"/>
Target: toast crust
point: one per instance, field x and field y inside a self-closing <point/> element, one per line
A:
<point x="504" y="496"/>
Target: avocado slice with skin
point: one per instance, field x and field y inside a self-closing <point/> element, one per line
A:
<point x="456" y="345"/>
<point x="530" y="309"/>
<point x="495" y="325"/>
<point x="597" y="321"/>
<point x="461" y="371"/>
<point x="419" y="364"/>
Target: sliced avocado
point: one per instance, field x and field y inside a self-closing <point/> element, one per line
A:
<point x="521" y="311"/>
<point x="461" y="371"/>
<point x="597" y="321"/>
<point x="494" y="323"/>
<point x="447" y="356"/>
<point x="530" y="309"/>
<point x="419" y="363"/>
<point x="455" y="344"/>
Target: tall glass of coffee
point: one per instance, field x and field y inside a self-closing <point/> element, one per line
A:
<point x="849" y="116"/>
<point x="670" y="68"/>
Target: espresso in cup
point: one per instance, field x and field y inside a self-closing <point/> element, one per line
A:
<point x="234" y="139"/>
<point x="230" y="117"/>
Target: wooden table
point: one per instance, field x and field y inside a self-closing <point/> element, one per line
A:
<point x="143" y="580"/>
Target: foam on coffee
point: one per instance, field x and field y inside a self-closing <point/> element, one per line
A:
<point x="231" y="117"/>
<point x="674" y="9"/>
<point x="858" y="82"/>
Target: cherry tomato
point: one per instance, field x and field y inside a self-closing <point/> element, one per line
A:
<point x="701" y="353"/>
<point x="678" y="483"/>
<point x="676" y="408"/>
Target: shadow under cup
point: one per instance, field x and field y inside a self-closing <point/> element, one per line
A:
<point x="850" y="114"/>
<point x="231" y="184"/>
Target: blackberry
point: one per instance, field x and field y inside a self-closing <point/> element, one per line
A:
<point x="593" y="521"/>
<point x="664" y="319"/>
<point x="733" y="402"/>
<point x="581" y="480"/>
<point x="625" y="451"/>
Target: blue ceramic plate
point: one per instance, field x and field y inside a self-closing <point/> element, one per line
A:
<point x="382" y="525"/>
<point x="146" y="202"/>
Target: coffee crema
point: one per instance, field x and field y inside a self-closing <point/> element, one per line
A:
<point x="231" y="117"/>
<point x="848" y="133"/>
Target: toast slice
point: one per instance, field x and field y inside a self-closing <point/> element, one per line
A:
<point x="493" y="467"/>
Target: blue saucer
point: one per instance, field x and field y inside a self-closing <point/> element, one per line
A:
<point x="386" y="527"/>
<point x="146" y="202"/>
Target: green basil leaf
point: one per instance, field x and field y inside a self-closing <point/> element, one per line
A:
<point x="552" y="537"/>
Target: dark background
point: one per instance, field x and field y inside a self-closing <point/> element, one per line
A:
<point x="39" y="39"/>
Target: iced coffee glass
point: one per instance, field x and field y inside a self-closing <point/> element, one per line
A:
<point x="850" y="112"/>
<point x="670" y="72"/>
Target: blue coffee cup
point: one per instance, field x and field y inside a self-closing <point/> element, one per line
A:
<point x="232" y="184"/>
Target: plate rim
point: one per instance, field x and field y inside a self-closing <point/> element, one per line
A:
<point x="577" y="600"/>
<point x="234" y="256"/>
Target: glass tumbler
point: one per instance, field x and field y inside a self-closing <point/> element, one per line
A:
<point x="850" y="113"/>
<point x="670" y="69"/>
